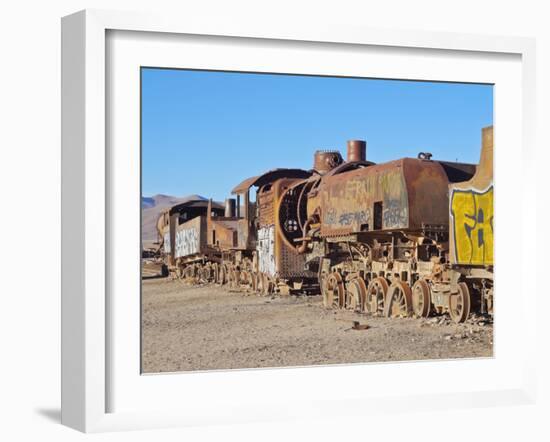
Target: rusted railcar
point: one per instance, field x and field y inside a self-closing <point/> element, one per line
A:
<point x="412" y="235"/>
<point x="378" y="234"/>
<point x="241" y="245"/>
<point x="182" y="230"/>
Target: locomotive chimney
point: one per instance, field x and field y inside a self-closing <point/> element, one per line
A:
<point x="357" y="150"/>
<point x="230" y="207"/>
<point x="326" y="160"/>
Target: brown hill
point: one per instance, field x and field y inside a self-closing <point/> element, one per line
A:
<point x="151" y="208"/>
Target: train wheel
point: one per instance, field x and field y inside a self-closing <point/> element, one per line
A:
<point x="254" y="280"/>
<point x="246" y="280"/>
<point x="459" y="303"/>
<point x="200" y="274"/>
<point x="356" y="292"/>
<point x="197" y="269"/>
<point x="204" y="275"/>
<point x="323" y="286"/>
<point x="334" y="293"/>
<point x="221" y="274"/>
<point x="225" y="275"/>
<point x="260" y="283"/>
<point x="376" y="296"/>
<point x="188" y="271"/>
<point x="234" y="278"/>
<point x="398" y="300"/>
<point x="215" y="272"/>
<point x="251" y="281"/>
<point x="421" y="303"/>
<point x="490" y="301"/>
<point x="268" y="286"/>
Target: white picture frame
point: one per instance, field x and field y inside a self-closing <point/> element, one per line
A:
<point x="87" y="355"/>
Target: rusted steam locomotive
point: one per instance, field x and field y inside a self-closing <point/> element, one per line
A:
<point x="403" y="237"/>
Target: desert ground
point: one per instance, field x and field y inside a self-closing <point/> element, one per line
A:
<point x="206" y="327"/>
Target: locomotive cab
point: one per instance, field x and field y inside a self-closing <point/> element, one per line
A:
<point x="273" y="261"/>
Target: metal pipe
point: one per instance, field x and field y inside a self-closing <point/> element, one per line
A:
<point x="230" y="208"/>
<point x="302" y="248"/>
<point x="357" y="150"/>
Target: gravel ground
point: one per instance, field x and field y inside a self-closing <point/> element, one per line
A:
<point x="206" y="327"/>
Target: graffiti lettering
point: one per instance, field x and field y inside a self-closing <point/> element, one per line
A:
<point x="349" y="218"/>
<point x="266" y="250"/>
<point x="395" y="215"/>
<point x="187" y="242"/>
<point x="330" y="217"/>
<point x="360" y="217"/>
<point x="472" y="215"/>
<point x="167" y="247"/>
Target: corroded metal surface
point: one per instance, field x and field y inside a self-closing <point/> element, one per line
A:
<point x="230" y="205"/>
<point x="357" y="150"/>
<point x="401" y="194"/>
<point x="269" y="177"/>
<point x="326" y="160"/>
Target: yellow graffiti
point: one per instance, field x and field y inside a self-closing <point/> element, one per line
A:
<point x="472" y="214"/>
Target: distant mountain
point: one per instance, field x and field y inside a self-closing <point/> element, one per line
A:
<point x="152" y="206"/>
<point x="147" y="202"/>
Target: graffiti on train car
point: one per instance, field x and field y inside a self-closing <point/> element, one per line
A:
<point x="348" y="218"/>
<point x="187" y="242"/>
<point x="472" y="215"/>
<point x="395" y="215"/>
<point x="266" y="250"/>
<point x="167" y="248"/>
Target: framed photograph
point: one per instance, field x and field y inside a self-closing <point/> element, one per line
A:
<point x="270" y="223"/>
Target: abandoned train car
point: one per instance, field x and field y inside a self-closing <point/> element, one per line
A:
<point x="410" y="236"/>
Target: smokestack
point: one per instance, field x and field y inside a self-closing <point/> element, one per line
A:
<point x="357" y="150"/>
<point x="485" y="167"/>
<point x="325" y="160"/>
<point x="230" y="208"/>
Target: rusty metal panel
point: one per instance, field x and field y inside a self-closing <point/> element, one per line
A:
<point x="269" y="177"/>
<point x="243" y="232"/>
<point x="405" y="194"/>
<point x="230" y="234"/>
<point x="190" y="237"/>
<point x="266" y="204"/>
<point x="224" y="235"/>
<point x="348" y="199"/>
<point x="245" y="185"/>
<point x="427" y="184"/>
<point x="288" y="262"/>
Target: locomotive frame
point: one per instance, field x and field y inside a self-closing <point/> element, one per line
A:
<point x="87" y="263"/>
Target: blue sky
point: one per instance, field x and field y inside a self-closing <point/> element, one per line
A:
<point x="204" y="132"/>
